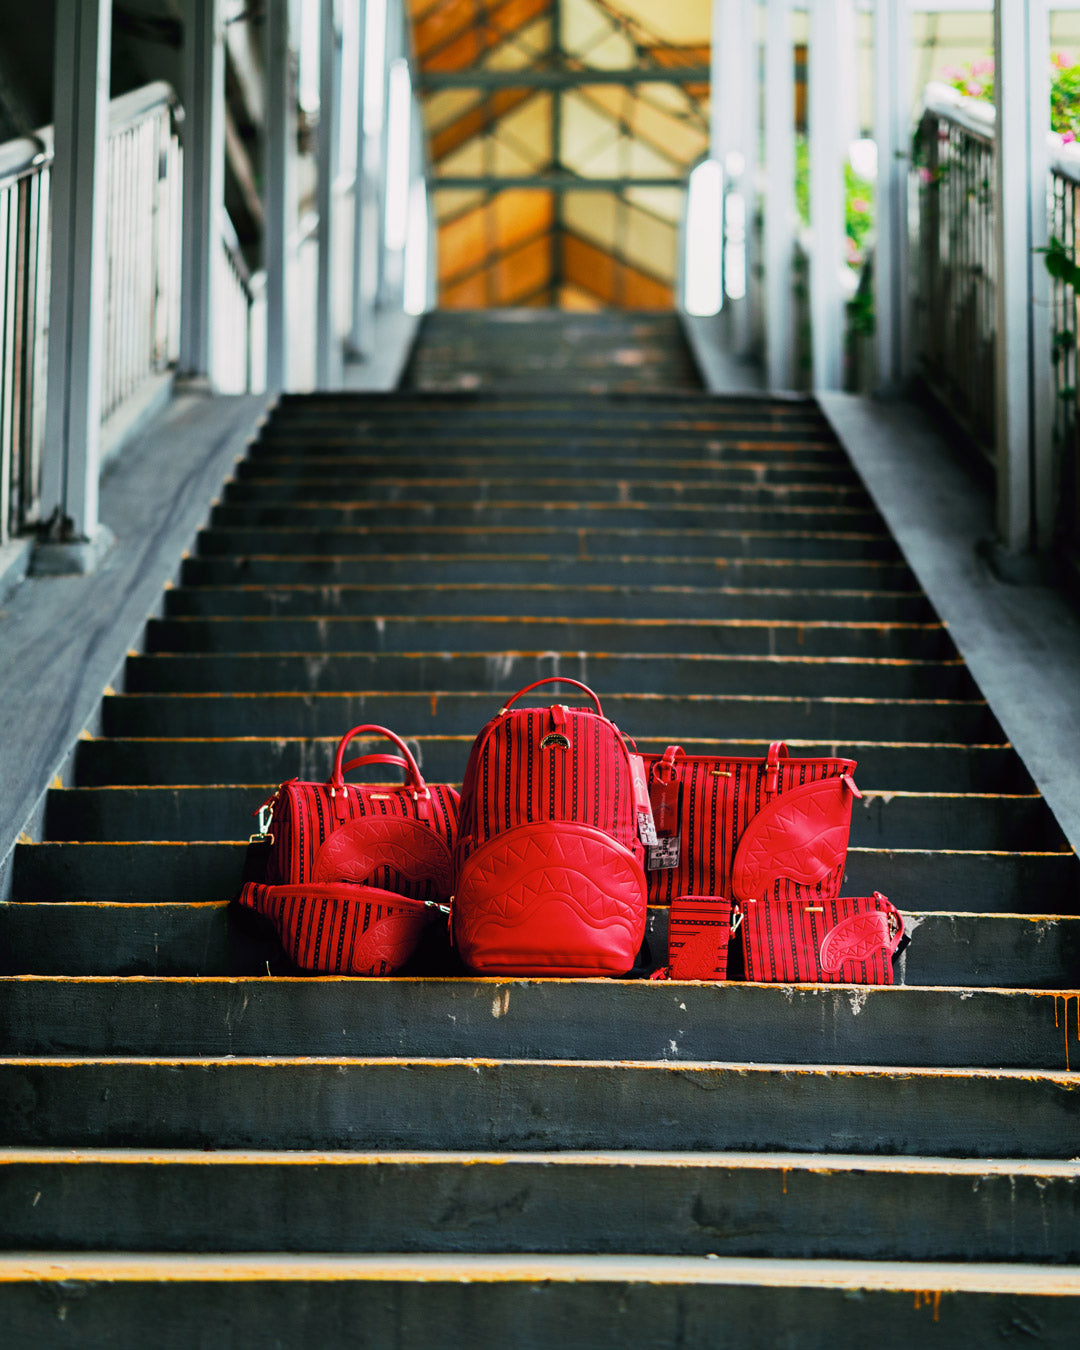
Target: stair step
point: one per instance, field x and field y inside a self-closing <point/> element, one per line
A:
<point x="543" y="514"/>
<point x="606" y="493"/>
<point x="703" y="604"/>
<point x="735" y="716"/>
<point x="785" y="1206"/>
<point x="313" y="1102"/>
<point x="531" y="1302"/>
<point x="542" y="1020"/>
<point x="75" y="937"/>
<point x="734" y="637"/>
<point x="640" y="476"/>
<point x="912" y="767"/>
<point x="467" y="568"/>
<point x="147" y="761"/>
<point x="504" y="672"/>
<point x="539" y="536"/>
<point x="886" y="820"/>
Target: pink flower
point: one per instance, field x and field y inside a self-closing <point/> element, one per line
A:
<point x="984" y="66"/>
<point x="952" y="73"/>
<point x="925" y="176"/>
<point x="1067" y="137"/>
<point x="1062" y="60"/>
<point x="973" y="89"/>
<point x="860" y="205"/>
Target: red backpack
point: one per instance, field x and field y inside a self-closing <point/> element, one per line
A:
<point x="549" y="875"/>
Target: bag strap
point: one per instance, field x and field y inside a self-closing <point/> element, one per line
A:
<point x="337" y="890"/>
<point x="414" y="779"/>
<point x="554" y="679"/>
<point x="777" y="751"/>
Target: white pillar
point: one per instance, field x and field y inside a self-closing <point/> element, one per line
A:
<point x="389" y="273"/>
<point x="280" y="203"/>
<point x="358" y="325"/>
<point x="892" y="132"/>
<point x="203" y="99"/>
<point x="779" y="238"/>
<point x="730" y="93"/>
<point x="1025" y="493"/>
<point x="70" y="466"/>
<point x="328" y="347"/>
<point x="828" y="134"/>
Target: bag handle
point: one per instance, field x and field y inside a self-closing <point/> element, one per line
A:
<point x="414" y="780"/>
<point x="553" y="679"/>
<point x="777" y="752"/>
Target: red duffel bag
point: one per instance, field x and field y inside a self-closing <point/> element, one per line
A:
<point x="355" y="872"/>
<point x="549" y="878"/>
<point x="748" y="828"/>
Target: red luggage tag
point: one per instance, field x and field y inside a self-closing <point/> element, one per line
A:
<point x="664" y="796"/>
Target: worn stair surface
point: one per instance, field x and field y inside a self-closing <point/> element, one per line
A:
<point x="193" y="1137"/>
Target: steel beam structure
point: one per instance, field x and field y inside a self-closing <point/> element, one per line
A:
<point x="564" y="78"/>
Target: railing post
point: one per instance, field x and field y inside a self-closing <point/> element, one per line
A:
<point x="280" y="203"/>
<point x="77" y="304"/>
<point x="328" y="351"/>
<point x="1023" y="445"/>
<point x="829" y="71"/>
<point x="779" y="243"/>
<point x="204" y="181"/>
<point x="892" y="131"/>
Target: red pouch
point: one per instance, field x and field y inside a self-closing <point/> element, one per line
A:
<point x="841" y="940"/>
<point x="340" y="928"/>
<point x="699" y="931"/>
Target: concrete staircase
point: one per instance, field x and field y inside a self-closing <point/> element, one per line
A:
<point x="199" y="1148"/>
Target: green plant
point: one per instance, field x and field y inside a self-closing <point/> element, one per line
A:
<point x="858" y="202"/>
<point x="975" y="79"/>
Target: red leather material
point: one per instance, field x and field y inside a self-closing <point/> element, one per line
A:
<point x="341" y="929"/>
<point x="699" y="933"/>
<point x="709" y="802"/>
<point x="842" y="940"/>
<point x="550" y="899"/>
<point x="392" y="852"/>
<point x="800" y="835"/>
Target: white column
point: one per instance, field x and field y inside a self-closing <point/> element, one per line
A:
<point x="1022" y="333"/>
<point x="892" y="132"/>
<point x="389" y="272"/>
<point x="280" y="203"/>
<point x="360" y="195"/>
<point x="77" y="302"/>
<point x="731" y="83"/>
<point x="203" y="99"/>
<point x="828" y="130"/>
<point x="328" y="348"/>
<point x="779" y="237"/>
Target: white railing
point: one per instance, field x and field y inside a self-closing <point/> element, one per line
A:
<point x="142" y="305"/>
<point x="24" y="310"/>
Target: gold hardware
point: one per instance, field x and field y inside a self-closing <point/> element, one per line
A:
<point x="721" y="773"/>
<point x="554" y="739"/>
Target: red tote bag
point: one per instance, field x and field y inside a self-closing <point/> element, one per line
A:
<point x="840" y="940"/>
<point x="749" y="828"/>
